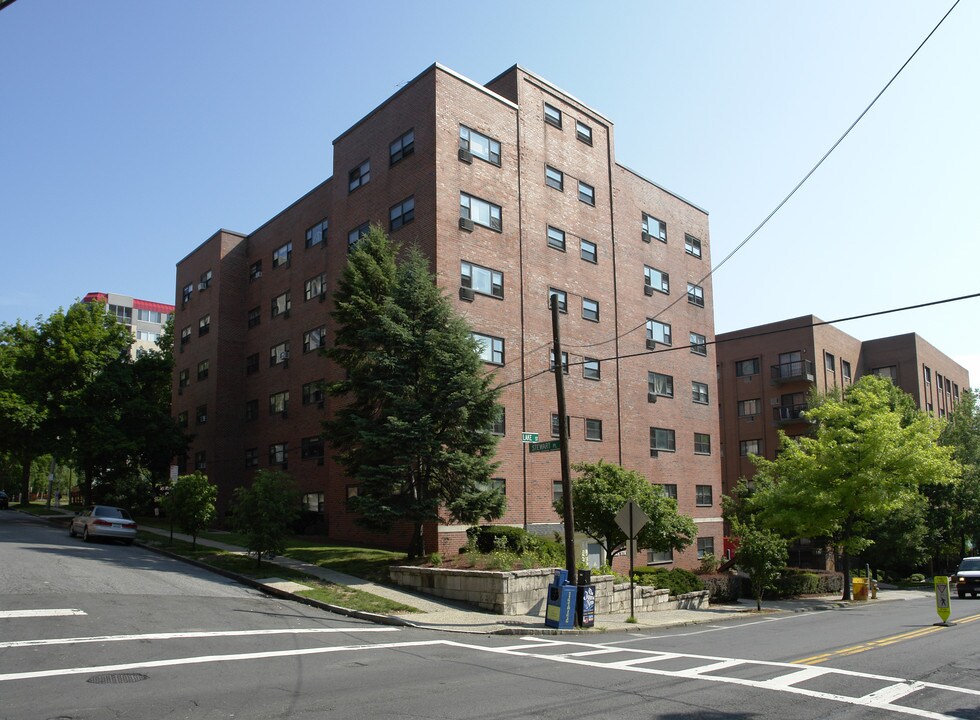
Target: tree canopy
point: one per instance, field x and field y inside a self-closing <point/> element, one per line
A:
<point x="412" y="427"/>
<point x="191" y="503"/>
<point x="264" y="511"/>
<point x="600" y="491"/>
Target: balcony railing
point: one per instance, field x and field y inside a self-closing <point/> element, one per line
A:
<point x="783" y="414"/>
<point x="796" y="370"/>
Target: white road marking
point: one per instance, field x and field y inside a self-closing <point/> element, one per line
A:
<point x="181" y="635"/>
<point x="56" y="612"/>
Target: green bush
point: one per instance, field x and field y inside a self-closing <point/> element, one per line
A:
<point x="793" y="582"/>
<point x="547" y="551"/>
<point x="677" y="581"/>
<point x="518" y="540"/>
<point x="722" y="587"/>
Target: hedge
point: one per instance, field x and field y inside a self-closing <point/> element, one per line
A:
<point x="519" y="541"/>
<point x="722" y="587"/>
<point x="677" y="581"/>
<point x="793" y="582"/>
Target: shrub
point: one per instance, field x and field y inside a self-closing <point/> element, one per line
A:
<point x="547" y="551"/>
<point x="709" y="564"/>
<point x="722" y="587"/>
<point x="917" y="578"/>
<point x="517" y="540"/>
<point x="435" y="559"/>
<point x="793" y="582"/>
<point x="677" y="581"/>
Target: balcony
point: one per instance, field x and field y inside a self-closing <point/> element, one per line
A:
<point x="786" y="414"/>
<point x="791" y="371"/>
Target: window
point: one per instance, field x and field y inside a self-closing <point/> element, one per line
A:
<point x="356" y="234"/>
<point x="490" y="349"/>
<point x="699" y="344"/>
<point x="555" y="430"/>
<point x="201" y="460"/>
<point x="593" y="429"/>
<point x="204" y="325"/>
<point x="479" y="145"/>
<point x="658" y="557"/>
<point x="148" y="336"/>
<point x="315" y="287"/>
<point x="586" y="193"/>
<point x="706" y="546"/>
<point x="552" y="115"/>
<point x="251" y="457"/>
<point x="482" y="280"/>
<point x="279" y="402"/>
<point x="152" y="315"/>
<point x="314" y="339"/>
<point x="564" y="362"/>
<point x="926" y="375"/>
<point x="702" y="446"/>
<point x="313" y="392"/>
<point x="554" y="178"/>
<point x="353" y="491"/>
<point x="658" y="332"/>
<point x="401" y="214"/>
<point x="317" y="234"/>
<point x="202" y="369"/>
<point x="692" y="246"/>
<point x="749" y="447"/>
<point x="311" y="447"/>
<point x="361" y="175"/>
<point x="749" y="408"/>
<point x="255" y="271"/>
<point x="187" y="292"/>
<point x="660" y="385"/>
<point x="185" y="335"/>
<point x="183" y="378"/>
<point x="655" y="280"/>
<point x="557" y="492"/>
<point x="205" y="281"/>
<point x="278" y="453"/>
<point x="202" y="414"/>
<point x="402" y="147"/>
<point x="590" y="309"/>
<point x="745" y="368"/>
<point x="281" y="305"/>
<point x="281" y="255"/>
<point x="695" y="294"/>
<point x="182" y="419"/>
<point x="588" y="251"/>
<point x="699" y="392"/>
<point x="251" y="409"/>
<point x="122" y="313"/>
<point x="845" y="370"/>
<point x="590" y="369"/>
<point x="252" y="364"/>
<point x="254" y="317"/>
<point x="562" y="299"/>
<point x="279" y="354"/>
<point x="670" y="490"/>
<point x="583" y="132"/>
<point x="661" y="440"/>
<point x="499" y="425"/>
<point x="497" y="484"/>
<point x="313" y="502"/>
<point x="890" y="372"/>
<point x="480" y="212"/>
<point x="653" y="228"/>
<point x="829" y="362"/>
<point x="556" y="238"/>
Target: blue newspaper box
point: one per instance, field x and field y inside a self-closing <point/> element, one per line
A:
<point x="560" y="609"/>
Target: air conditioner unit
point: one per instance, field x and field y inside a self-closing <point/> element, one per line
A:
<point x="258" y="274"/>
<point x="648" y="290"/>
<point x="651" y="397"/>
<point x="645" y="236"/>
<point x="467" y="294"/>
<point x="202" y="286"/>
<point x="466" y="224"/>
<point x="284" y="356"/>
<point x="465" y="156"/>
<point x="654" y="453"/>
<point x="651" y="344"/>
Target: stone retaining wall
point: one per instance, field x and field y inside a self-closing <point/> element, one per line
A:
<point x="523" y="592"/>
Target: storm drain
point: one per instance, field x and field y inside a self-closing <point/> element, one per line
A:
<point x="116" y="678"/>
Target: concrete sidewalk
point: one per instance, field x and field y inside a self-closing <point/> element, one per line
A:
<point x="439" y="614"/>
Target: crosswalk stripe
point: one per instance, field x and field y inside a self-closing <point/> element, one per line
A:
<point x="55" y="612"/>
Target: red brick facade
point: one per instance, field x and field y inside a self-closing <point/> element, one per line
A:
<point x="565" y="178"/>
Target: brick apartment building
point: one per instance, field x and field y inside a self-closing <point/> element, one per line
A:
<point x="513" y="191"/>
<point x="765" y="374"/>
<point x="144" y="318"/>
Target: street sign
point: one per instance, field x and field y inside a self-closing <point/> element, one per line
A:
<point x="529" y="437"/>
<point x="631" y="518"/>
<point x="942" y="597"/>
<point x="544" y="446"/>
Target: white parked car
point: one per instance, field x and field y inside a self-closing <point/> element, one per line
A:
<point x="103" y="521"/>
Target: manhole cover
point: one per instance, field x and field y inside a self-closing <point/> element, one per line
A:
<point x="116" y="678"/>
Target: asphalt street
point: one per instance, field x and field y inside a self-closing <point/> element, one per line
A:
<point x="104" y="630"/>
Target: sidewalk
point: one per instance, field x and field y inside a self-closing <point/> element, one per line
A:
<point x="439" y="614"/>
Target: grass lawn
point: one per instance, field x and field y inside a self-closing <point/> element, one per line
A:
<point x="367" y="563"/>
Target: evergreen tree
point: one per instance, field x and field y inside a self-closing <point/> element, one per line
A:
<point x="412" y="429"/>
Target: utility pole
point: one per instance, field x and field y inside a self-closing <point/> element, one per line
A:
<point x="566" y="473"/>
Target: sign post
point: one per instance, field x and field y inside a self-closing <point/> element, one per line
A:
<point x="631" y="520"/>
<point x="941" y="583"/>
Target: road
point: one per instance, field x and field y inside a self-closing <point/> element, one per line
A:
<point x="103" y="630"/>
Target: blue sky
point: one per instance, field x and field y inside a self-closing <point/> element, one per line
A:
<point x="133" y="130"/>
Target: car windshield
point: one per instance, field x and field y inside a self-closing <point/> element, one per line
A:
<point x="111" y="512"/>
<point x="970" y="564"/>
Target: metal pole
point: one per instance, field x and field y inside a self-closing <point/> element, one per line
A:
<point x="630" y="548"/>
<point x="566" y="473"/>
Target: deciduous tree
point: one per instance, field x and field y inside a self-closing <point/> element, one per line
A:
<point x="191" y="503"/>
<point x="264" y="511"/>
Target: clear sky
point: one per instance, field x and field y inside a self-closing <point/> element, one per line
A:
<point x="133" y="130"/>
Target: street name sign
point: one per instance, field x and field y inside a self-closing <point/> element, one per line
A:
<point x="548" y="446"/>
<point x="529" y="437"/>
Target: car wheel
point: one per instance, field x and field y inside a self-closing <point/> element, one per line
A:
<point x="85" y="536"/>
<point x="71" y="530"/>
